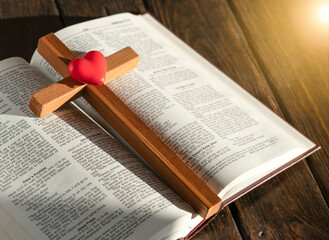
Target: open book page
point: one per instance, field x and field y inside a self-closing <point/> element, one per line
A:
<point x="217" y="128"/>
<point x="63" y="177"/>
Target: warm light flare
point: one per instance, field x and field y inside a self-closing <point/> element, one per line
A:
<point x="311" y="22"/>
<point x="324" y="12"/>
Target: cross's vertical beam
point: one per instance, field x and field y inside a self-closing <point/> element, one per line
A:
<point x="164" y="161"/>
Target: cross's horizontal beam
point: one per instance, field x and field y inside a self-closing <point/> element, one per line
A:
<point x="56" y="95"/>
<point x="164" y="161"/>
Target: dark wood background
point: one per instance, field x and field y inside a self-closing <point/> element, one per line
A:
<point x="278" y="50"/>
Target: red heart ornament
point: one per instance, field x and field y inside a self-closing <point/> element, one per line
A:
<point x="91" y="69"/>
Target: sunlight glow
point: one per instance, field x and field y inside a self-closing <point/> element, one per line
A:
<point x="324" y="13"/>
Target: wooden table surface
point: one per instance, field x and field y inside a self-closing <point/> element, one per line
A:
<point x="278" y="50"/>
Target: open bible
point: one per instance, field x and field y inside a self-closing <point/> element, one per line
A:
<point x="65" y="177"/>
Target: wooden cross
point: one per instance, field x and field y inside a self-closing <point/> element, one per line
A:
<point x="160" y="157"/>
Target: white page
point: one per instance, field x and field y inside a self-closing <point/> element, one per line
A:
<point x="62" y="177"/>
<point x="218" y="129"/>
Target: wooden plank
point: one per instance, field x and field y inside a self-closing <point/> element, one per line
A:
<point x="79" y="11"/>
<point x="212" y="30"/>
<point x="221" y="227"/>
<point x="132" y="6"/>
<point x="24" y="8"/>
<point x="24" y="22"/>
<point x="294" y="53"/>
<point x="292" y="46"/>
